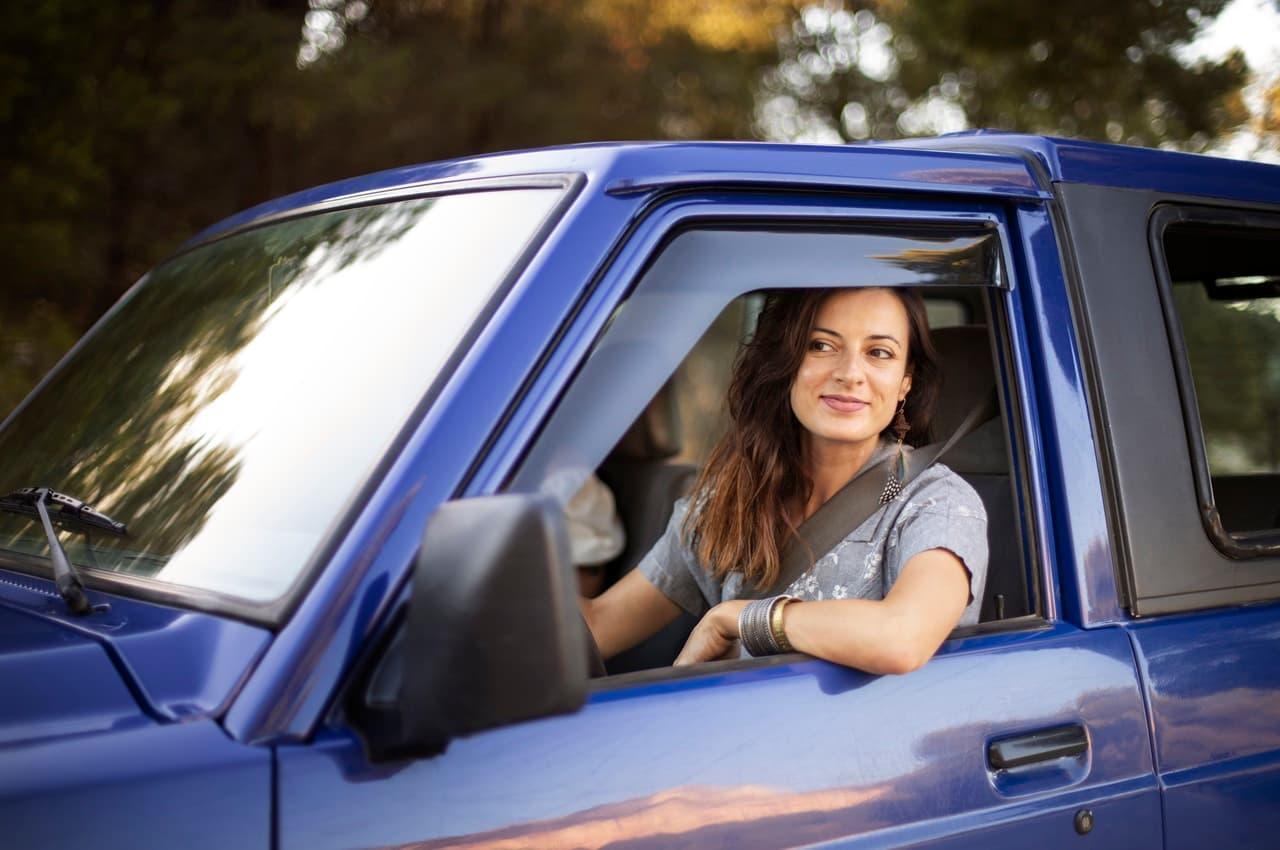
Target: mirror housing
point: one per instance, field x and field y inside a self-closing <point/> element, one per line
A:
<point x="493" y="633"/>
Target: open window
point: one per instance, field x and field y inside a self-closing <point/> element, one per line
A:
<point x="647" y="405"/>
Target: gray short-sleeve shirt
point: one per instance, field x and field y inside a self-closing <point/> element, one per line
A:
<point x="937" y="510"/>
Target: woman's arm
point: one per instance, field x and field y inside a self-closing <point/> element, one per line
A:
<point x="627" y="613"/>
<point x="894" y="635"/>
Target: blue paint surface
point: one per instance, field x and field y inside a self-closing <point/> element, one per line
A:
<point x="180" y="714"/>
<point x="1213" y="681"/>
<point x="1121" y="166"/>
<point x="174" y="785"/>
<point x="179" y="664"/>
<point x="757" y="758"/>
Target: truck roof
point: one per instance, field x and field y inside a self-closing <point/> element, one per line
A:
<point x="1120" y="166"/>
<point x="980" y="163"/>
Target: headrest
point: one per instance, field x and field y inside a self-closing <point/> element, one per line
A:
<point x="655" y="435"/>
<point x="964" y="355"/>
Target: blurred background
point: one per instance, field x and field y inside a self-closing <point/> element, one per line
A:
<point x="126" y="127"/>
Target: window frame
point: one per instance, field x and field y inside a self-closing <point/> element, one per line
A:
<point x="662" y="217"/>
<point x="1259" y="544"/>
<point x="530" y="414"/>
<point x="705" y="285"/>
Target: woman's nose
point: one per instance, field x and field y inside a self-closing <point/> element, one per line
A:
<point x="848" y="370"/>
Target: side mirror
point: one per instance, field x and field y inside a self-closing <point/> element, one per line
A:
<point x="493" y="633"/>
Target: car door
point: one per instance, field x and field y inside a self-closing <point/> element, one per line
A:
<point x="1027" y="729"/>
<point x="1182" y="293"/>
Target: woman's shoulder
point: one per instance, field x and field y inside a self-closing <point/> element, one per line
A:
<point x="684" y="504"/>
<point x="940" y="488"/>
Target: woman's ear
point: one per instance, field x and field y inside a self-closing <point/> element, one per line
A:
<point x="906" y="387"/>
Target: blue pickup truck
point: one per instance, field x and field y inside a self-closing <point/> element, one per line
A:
<point x="283" y="563"/>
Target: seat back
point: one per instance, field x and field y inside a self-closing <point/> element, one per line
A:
<point x="982" y="459"/>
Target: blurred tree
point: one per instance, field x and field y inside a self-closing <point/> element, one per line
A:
<point x="439" y="79"/>
<point x="123" y="128"/>
<point x="126" y="127"/>
<point x="1268" y="120"/>
<point x="1234" y="352"/>
<point x="1089" y="68"/>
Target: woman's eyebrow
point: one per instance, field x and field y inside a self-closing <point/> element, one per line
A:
<point x="838" y="335"/>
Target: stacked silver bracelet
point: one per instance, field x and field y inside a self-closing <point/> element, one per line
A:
<point x="756" y="627"/>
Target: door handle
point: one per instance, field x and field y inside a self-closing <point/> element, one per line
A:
<point x="1043" y="745"/>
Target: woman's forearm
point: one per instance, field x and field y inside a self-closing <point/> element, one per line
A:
<point x="869" y="635"/>
<point x="627" y="613"/>
<point x="895" y="635"/>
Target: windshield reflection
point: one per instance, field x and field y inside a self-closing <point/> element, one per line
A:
<point x="232" y="404"/>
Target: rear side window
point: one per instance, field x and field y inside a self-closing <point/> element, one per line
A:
<point x="1222" y="296"/>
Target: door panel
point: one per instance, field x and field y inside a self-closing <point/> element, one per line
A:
<point x="763" y="753"/>
<point x="1215" y="702"/>
<point x="767" y="756"/>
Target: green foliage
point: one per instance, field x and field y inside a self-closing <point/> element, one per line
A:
<point x="1234" y="349"/>
<point x="31" y="341"/>
<point x="126" y="127"/>
<point x="1089" y="68"/>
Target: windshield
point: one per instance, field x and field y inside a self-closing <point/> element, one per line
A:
<point x="230" y="407"/>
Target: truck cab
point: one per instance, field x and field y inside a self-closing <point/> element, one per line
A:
<point x="339" y="431"/>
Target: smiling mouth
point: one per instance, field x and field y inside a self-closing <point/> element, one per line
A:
<point x="843" y="403"/>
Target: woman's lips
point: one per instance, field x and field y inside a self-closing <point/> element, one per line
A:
<point x="843" y="403"/>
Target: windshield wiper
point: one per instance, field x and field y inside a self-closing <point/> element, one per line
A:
<point x="35" y="501"/>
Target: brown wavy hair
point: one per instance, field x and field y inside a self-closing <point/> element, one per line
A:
<point x="739" y="519"/>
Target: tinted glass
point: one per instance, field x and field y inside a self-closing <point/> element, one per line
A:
<point x="230" y="408"/>
<point x="1226" y="292"/>
<point x="1234" y="349"/>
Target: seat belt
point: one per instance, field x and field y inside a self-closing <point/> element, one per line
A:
<point x="854" y="503"/>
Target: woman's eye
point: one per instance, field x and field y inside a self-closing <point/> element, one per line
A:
<point x="881" y="353"/>
<point x="821" y="345"/>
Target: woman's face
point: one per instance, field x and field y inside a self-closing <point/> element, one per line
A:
<point x="854" y="371"/>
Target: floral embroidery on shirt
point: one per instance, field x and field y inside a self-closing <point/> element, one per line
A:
<point x="936" y="510"/>
<point x="871" y="564"/>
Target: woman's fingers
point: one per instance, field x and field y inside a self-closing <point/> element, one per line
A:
<point x="704" y="644"/>
<point x="715" y="636"/>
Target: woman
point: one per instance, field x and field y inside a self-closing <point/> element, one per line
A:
<point x="816" y="396"/>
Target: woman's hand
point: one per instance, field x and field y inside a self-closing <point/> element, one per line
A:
<point x="715" y="637"/>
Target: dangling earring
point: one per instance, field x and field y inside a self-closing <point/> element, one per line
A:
<point x="900" y="424"/>
<point x="897" y="469"/>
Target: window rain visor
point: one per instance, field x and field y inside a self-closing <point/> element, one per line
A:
<point x="228" y="410"/>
